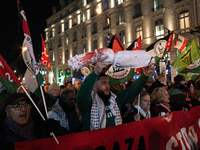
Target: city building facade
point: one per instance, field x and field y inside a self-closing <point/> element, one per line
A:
<point x="80" y="26"/>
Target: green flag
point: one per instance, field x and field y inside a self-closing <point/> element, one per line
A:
<point x="189" y="60"/>
<point x="8" y="81"/>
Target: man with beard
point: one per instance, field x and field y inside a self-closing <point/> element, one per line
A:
<point x="179" y="95"/>
<point x="99" y="107"/>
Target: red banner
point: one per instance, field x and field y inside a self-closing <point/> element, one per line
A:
<point x="181" y="130"/>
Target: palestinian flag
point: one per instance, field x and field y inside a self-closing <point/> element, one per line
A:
<point x="32" y="78"/>
<point x="115" y="44"/>
<point x="161" y="47"/>
<point x="118" y="75"/>
<point x="179" y="42"/>
<point x="188" y="61"/>
<point x="9" y="83"/>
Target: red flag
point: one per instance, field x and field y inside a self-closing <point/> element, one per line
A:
<point x="7" y="77"/>
<point x="136" y="45"/>
<point x="45" y="61"/>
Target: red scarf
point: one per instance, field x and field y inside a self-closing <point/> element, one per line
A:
<point x="166" y="105"/>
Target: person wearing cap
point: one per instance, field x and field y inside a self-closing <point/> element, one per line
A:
<point x="21" y="125"/>
<point x="180" y="95"/>
<point x="18" y="125"/>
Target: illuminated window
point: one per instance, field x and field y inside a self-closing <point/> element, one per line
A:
<point x="88" y="14"/>
<point x="84" y="2"/>
<point x="119" y="2"/>
<point x="63" y="27"/>
<point x="106" y="23"/>
<point x="138" y="32"/>
<point x="66" y="40"/>
<point x="83" y="16"/>
<point x="157" y="5"/>
<point x="120" y="17"/>
<point x="46" y="34"/>
<point x="78" y="19"/>
<point x="53" y="32"/>
<point x="184" y="21"/>
<point x="159" y="29"/>
<point x="122" y="37"/>
<point x="98" y="8"/>
<point x="70" y="23"/>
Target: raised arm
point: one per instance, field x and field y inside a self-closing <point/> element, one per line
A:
<point x="83" y="97"/>
<point x="132" y="91"/>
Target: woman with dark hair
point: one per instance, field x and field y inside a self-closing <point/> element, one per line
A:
<point x="141" y="111"/>
<point x="160" y="102"/>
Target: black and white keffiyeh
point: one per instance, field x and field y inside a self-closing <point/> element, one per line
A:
<point x="98" y="111"/>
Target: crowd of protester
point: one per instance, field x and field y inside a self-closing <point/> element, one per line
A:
<point x="91" y="104"/>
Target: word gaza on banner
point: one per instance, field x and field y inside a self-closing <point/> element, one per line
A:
<point x="179" y="131"/>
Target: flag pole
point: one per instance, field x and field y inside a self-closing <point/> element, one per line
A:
<point x="33" y="102"/>
<point x="52" y="134"/>
<point x="138" y="102"/>
<point x="45" y="106"/>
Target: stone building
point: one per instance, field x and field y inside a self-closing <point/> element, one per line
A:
<point x="79" y="26"/>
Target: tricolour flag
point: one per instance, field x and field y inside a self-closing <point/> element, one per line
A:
<point x="179" y="42"/>
<point x="45" y="61"/>
<point x="188" y="61"/>
<point x="32" y="78"/>
<point x="8" y="80"/>
<point x="161" y="47"/>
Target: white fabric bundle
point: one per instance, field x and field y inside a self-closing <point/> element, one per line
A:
<point x="132" y="59"/>
<point x="80" y="61"/>
<point x="107" y="52"/>
<point x="122" y="59"/>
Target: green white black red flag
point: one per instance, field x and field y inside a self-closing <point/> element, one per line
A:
<point x="32" y="77"/>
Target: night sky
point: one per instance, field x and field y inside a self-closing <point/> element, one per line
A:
<point x="11" y="34"/>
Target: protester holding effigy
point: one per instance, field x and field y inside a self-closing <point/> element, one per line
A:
<point x="99" y="107"/>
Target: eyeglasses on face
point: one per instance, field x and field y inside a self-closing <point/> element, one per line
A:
<point x="19" y="106"/>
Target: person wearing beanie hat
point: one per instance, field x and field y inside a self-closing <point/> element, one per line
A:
<point x="180" y="98"/>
